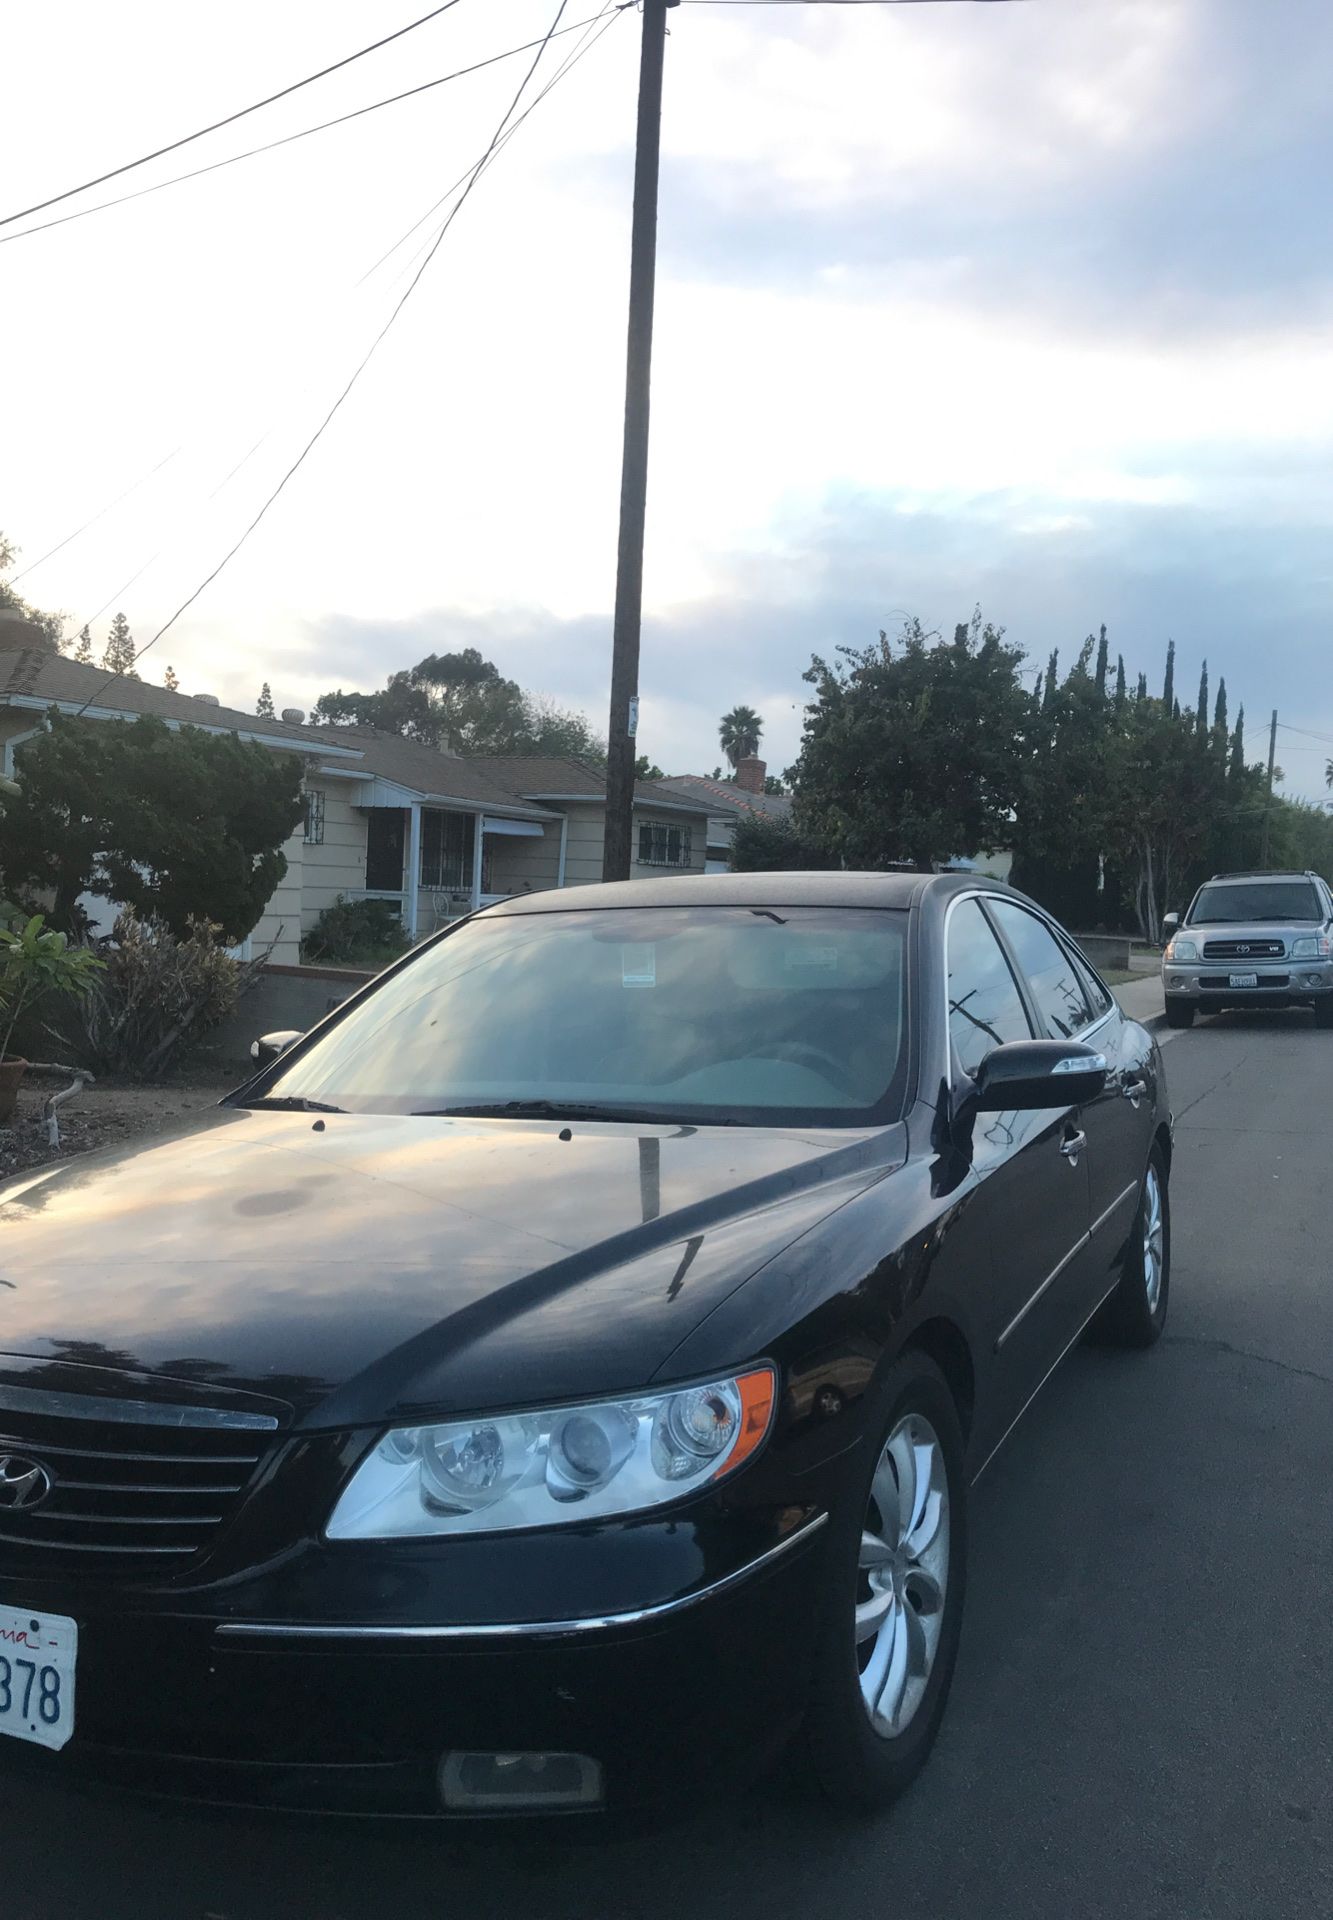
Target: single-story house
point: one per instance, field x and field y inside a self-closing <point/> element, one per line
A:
<point x="729" y="801"/>
<point x="437" y="834"/>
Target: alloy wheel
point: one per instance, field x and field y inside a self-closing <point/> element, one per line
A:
<point x="903" y="1572"/>
<point x="1154" y="1239"/>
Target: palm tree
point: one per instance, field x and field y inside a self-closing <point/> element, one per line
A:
<point x="739" y="733"/>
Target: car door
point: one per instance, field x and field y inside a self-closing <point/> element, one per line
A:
<point x="1070" y="1004"/>
<point x="1035" y="1190"/>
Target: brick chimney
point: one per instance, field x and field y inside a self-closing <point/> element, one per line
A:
<point x="750" y="773"/>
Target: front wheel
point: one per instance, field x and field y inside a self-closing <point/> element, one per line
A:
<point x="1323" y="1013"/>
<point x="1179" y="1013"/>
<point x="894" y="1611"/>
<point x="1136" y="1312"/>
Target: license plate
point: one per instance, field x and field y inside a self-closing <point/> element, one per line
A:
<point x="1242" y="979"/>
<point x="37" y="1655"/>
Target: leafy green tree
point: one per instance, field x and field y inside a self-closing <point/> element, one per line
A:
<point x="1102" y="661"/>
<point x="761" y="845"/>
<point x="119" y="653"/>
<point x="1201" y="709"/>
<point x="739" y="733"/>
<point x="180" y="825"/>
<point x="170" y="682"/>
<point x="912" y="751"/>
<point x="264" y="707"/>
<point x="461" y="703"/>
<point x="645" y="769"/>
<point x="1169" y="684"/>
<point x="1220" y="739"/>
<point x="1119" y="681"/>
<point x="83" y="652"/>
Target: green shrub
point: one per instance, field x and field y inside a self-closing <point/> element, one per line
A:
<point x="356" y="933"/>
<point x="35" y="963"/>
<point x="157" y="995"/>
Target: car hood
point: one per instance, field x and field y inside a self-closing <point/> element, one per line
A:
<point x="373" y="1265"/>
<point x="1247" y="932"/>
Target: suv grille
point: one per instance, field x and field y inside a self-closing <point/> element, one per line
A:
<point x="128" y="1482"/>
<point x="1242" y="950"/>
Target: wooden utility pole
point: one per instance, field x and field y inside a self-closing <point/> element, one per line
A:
<point x="1268" y="797"/>
<point x="622" y="725"/>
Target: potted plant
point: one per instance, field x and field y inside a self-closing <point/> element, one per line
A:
<point x="34" y="961"/>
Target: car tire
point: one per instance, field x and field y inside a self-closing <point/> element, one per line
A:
<point x="1135" y="1314"/>
<point x="880" y="1691"/>
<point x="1323" y="1013"/>
<point x="1179" y="1013"/>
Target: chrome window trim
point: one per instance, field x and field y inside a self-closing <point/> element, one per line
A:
<point x="522" y="1629"/>
<point x="54" y="1405"/>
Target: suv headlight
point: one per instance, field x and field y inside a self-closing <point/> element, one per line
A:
<point x="605" y="1457"/>
<point x="1311" y="946"/>
<point x="1179" y="949"/>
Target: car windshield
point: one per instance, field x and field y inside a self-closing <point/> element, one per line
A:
<point x="719" y="1015"/>
<point x="1255" y="900"/>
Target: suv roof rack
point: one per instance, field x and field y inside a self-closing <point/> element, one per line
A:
<point x="1266" y="873"/>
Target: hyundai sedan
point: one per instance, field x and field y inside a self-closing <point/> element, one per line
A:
<point x="554" y="1384"/>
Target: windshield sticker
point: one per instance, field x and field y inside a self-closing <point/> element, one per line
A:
<point x="638" y="966"/>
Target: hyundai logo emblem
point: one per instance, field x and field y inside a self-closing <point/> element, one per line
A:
<point x="23" y="1483"/>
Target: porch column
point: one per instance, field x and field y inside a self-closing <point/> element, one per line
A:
<point x="413" y="877"/>
<point x="479" y="822"/>
<point x="564" y="837"/>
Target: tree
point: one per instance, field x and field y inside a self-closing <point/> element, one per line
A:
<point x="51" y="624"/>
<point x="912" y="751"/>
<point x="773" y="785"/>
<point x="761" y="845"/>
<point x="1141" y="691"/>
<point x="1050" y="683"/>
<point x="1119" y="681"/>
<point x="83" y="652"/>
<point x="1102" y="660"/>
<point x="1201" y="710"/>
<point x="461" y="703"/>
<point x="170" y="682"/>
<point x="264" y="707"/>
<point x="119" y="654"/>
<point x="178" y="825"/>
<point x="739" y="733"/>
<point x="644" y="769"/>
<point x="1169" y="685"/>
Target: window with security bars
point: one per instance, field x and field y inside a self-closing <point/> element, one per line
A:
<point x="446" y="849"/>
<point x="314" y="817"/>
<point x="663" y="846"/>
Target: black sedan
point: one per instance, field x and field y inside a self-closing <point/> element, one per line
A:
<point x="555" y="1382"/>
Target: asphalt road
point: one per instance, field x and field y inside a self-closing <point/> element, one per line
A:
<point x="1142" y="1722"/>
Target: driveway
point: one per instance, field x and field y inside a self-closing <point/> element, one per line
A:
<point x="1142" y="1722"/>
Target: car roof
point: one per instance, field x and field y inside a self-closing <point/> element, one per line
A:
<point x="1263" y="873"/>
<point x="884" y="890"/>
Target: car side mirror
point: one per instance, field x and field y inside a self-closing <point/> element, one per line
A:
<point x="1170" y="921"/>
<point x="266" y="1049"/>
<point x="1026" y="1075"/>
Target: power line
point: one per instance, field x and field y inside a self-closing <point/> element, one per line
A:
<point x="571" y="60"/>
<point x="101" y="512"/>
<point x="228" y="119"/>
<point x="269" y="146"/>
<point x="360" y="369"/>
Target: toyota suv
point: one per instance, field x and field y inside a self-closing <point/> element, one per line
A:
<point x="1251" y="940"/>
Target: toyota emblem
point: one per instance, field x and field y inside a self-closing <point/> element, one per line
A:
<point x="23" y="1483"/>
<point x="1242" y="949"/>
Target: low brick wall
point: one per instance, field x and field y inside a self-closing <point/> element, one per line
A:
<point x="284" y="997"/>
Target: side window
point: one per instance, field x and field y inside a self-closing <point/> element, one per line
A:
<point x="1098" y="998"/>
<point x="985" y="1006"/>
<point x="1057" y="984"/>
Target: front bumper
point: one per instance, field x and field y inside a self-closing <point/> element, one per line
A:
<point x="357" y="1716"/>
<point x="1278" y="983"/>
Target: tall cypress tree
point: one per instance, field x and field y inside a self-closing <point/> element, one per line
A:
<point x="83" y="653"/>
<point x="1120" y="680"/>
<point x="1141" y="692"/>
<point x="264" y="708"/>
<point x="1237" y="767"/>
<point x="1201" y="714"/>
<point x="1102" y="660"/>
<point x="1169" y="684"/>
<point x="120" y="651"/>
<point x="1220" y="718"/>
<point x="1052" y="665"/>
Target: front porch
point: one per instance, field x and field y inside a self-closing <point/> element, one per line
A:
<point x="436" y="864"/>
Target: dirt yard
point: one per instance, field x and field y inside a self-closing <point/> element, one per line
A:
<point x="99" y="1116"/>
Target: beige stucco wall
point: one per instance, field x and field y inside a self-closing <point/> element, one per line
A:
<point x="338" y="864"/>
<point x="698" y="826"/>
<point x="524" y="864"/>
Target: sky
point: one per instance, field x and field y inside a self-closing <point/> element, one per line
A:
<point x="1024" y="305"/>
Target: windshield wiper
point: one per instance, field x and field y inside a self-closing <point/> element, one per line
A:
<point x="289" y="1103"/>
<point x="556" y="1110"/>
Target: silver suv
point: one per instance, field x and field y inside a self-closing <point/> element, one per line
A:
<point x="1251" y="940"/>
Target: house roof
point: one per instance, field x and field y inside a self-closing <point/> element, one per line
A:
<point x="722" y="796"/>
<point x="36" y="675"/>
<point x="562" y="777"/>
<point x="425" y="770"/>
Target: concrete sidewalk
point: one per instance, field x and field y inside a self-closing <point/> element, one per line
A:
<point x="1142" y="1000"/>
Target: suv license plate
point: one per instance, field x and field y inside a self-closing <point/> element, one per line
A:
<point x="1243" y="980"/>
<point x="37" y="1656"/>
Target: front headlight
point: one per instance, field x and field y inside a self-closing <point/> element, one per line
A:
<point x="1179" y="949"/>
<point x="504" y="1471"/>
<point x="1311" y="946"/>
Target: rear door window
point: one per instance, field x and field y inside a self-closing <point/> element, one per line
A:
<point x="1057" y="984"/>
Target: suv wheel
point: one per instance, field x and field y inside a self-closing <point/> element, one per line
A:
<point x="1179" y="1013"/>
<point x="1323" y="1012"/>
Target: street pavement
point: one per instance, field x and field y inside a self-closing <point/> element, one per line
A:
<point x="1142" y="1722"/>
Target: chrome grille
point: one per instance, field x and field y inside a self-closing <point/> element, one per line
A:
<point x="1242" y="950"/>
<point x="152" y="1487"/>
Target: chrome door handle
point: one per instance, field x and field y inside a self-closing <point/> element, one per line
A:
<point x="1073" y="1147"/>
<point x="1135" y="1091"/>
